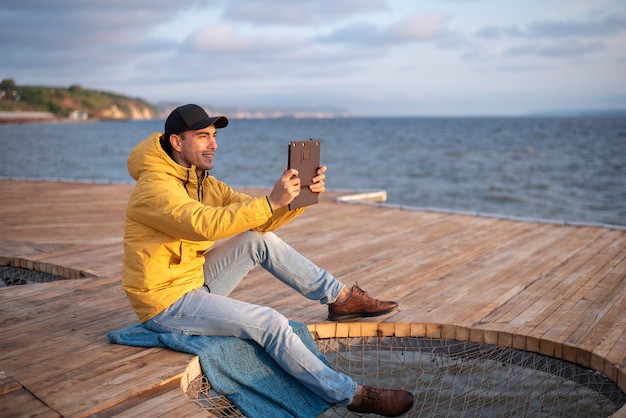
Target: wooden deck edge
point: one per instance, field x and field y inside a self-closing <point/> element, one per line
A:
<point x="620" y="413"/>
<point x="379" y="199"/>
<point x="172" y="394"/>
<point x="418" y="329"/>
<point x="192" y="371"/>
<point x="614" y="372"/>
<point x="44" y="267"/>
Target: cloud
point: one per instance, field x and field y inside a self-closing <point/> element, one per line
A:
<point x="361" y="33"/>
<point x="225" y="40"/>
<point x="597" y="26"/>
<point x="135" y="42"/>
<point x="417" y="27"/>
<point x="570" y="48"/>
<point x="556" y="38"/>
<point x="490" y="33"/>
<point x="290" y="12"/>
<point x="227" y="53"/>
<point x="96" y="43"/>
<point x="48" y="30"/>
<point x="590" y="28"/>
<point x="94" y="25"/>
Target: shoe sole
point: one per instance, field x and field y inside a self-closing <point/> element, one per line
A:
<point x="355" y="315"/>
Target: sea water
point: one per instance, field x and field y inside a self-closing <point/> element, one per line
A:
<point x="564" y="169"/>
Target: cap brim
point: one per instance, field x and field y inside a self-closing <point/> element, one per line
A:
<point x="217" y="121"/>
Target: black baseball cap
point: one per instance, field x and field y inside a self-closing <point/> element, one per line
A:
<point x="191" y="117"/>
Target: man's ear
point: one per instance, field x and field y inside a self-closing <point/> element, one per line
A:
<point x="175" y="140"/>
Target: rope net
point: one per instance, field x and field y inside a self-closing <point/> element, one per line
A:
<point x="450" y="378"/>
<point x="15" y="276"/>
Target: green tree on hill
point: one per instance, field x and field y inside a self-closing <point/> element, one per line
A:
<point x="8" y="89"/>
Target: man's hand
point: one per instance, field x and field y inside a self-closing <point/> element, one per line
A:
<point x="285" y="189"/>
<point x="318" y="185"/>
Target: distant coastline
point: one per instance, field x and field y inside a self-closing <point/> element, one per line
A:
<point x="579" y="113"/>
<point x="262" y="112"/>
<point x="24" y="116"/>
<point x="238" y="113"/>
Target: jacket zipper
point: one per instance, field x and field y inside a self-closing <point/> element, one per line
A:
<point x="200" y="189"/>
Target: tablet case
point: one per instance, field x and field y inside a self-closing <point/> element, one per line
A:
<point x="304" y="156"/>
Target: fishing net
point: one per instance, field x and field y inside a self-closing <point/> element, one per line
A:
<point x="19" y="271"/>
<point x="450" y="378"/>
<point x="15" y="276"/>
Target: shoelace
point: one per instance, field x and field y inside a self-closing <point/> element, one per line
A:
<point x="358" y="289"/>
<point x="371" y="393"/>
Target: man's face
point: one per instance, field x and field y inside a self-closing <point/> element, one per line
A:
<point x="195" y="147"/>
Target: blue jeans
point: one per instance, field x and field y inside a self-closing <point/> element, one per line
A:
<point x="213" y="313"/>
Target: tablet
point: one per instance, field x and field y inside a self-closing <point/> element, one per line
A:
<point x="304" y="156"/>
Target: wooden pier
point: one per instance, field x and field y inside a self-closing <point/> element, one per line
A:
<point x="553" y="289"/>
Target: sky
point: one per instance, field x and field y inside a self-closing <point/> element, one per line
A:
<point x="363" y="57"/>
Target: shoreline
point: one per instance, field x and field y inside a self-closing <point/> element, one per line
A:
<point x="27" y="116"/>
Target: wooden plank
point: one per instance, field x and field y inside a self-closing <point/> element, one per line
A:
<point x="579" y="311"/>
<point x="610" y="353"/>
<point x="478" y="291"/>
<point x="15" y="401"/>
<point x="536" y="265"/>
<point x="109" y="383"/>
<point x="7" y="384"/>
<point x="603" y="274"/>
<point x="540" y="299"/>
<point x="510" y="272"/>
<point x="165" y="402"/>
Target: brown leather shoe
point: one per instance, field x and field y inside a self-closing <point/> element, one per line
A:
<point x="359" y="304"/>
<point x="386" y="402"/>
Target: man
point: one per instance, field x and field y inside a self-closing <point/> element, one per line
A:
<point x="177" y="282"/>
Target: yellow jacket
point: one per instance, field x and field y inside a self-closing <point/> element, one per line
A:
<point x="172" y="218"/>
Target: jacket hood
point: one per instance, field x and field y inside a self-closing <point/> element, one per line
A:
<point x="149" y="157"/>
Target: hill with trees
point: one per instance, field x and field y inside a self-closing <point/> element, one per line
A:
<point x="74" y="102"/>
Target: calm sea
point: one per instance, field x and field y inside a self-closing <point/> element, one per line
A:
<point x="570" y="169"/>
